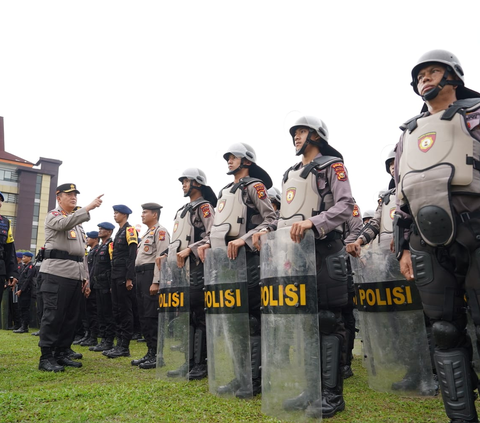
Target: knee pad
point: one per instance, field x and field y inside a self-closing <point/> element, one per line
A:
<point x="445" y="334"/>
<point x="337" y="265"/>
<point x="327" y="322"/>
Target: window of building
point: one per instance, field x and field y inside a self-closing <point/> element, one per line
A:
<point x="8" y="175"/>
<point x="10" y="198"/>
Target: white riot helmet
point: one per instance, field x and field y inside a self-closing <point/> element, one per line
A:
<point x="198" y="175"/>
<point x="390" y="157"/>
<point x="453" y="66"/>
<point x="368" y="214"/>
<point x="245" y="151"/>
<point x="274" y="194"/>
<point x="314" y="125"/>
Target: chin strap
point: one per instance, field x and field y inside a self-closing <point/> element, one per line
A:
<point x="242" y="166"/>
<point x="430" y="95"/>
<point x="307" y="141"/>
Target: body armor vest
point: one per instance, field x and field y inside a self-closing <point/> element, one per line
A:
<point x="387" y="213"/>
<point x="183" y="229"/>
<point x="439" y="160"/>
<point x="300" y="196"/>
<point x="233" y="216"/>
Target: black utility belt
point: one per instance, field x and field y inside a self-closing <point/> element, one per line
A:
<point x="62" y="255"/>
<point x="145" y="267"/>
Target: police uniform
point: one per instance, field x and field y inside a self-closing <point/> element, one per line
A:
<point x="438" y="220"/>
<point x="90" y="317"/>
<point x="25" y="285"/>
<point x="320" y="192"/>
<point x="123" y="256"/>
<point x="101" y="277"/>
<point x="8" y="257"/>
<point x="63" y="270"/>
<point x="14" y="321"/>
<point x="153" y="243"/>
<point x="192" y="224"/>
<point x="243" y="209"/>
<point x="352" y="229"/>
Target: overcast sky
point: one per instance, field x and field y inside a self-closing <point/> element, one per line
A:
<point x="129" y="94"/>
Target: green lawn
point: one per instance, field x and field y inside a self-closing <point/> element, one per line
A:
<point x="106" y="390"/>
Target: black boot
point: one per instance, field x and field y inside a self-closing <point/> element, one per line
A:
<point x="119" y="351"/>
<point x="332" y="400"/>
<point x="200" y="369"/>
<point x="64" y="360"/>
<point x="73" y="355"/>
<point x="146" y="357"/>
<point x="256" y="360"/>
<point x="21" y="329"/>
<point x="83" y="338"/>
<point x="151" y="362"/>
<point x="113" y="347"/>
<point x="48" y="363"/>
<point x="89" y="342"/>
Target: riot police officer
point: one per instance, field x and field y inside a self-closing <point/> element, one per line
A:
<point x="244" y="209"/>
<point x="193" y="223"/>
<point x="322" y="180"/>
<point x="437" y="222"/>
<point x="24" y="291"/>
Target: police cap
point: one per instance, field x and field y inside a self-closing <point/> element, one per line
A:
<point x="67" y="188"/>
<point x="19" y="255"/>
<point x="28" y="254"/>
<point x="106" y="225"/>
<point x="121" y="208"/>
<point x="92" y="234"/>
<point x="151" y="206"/>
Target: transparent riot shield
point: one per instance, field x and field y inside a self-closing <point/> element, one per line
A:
<point x="290" y="333"/>
<point x="228" y="332"/>
<point x="393" y="327"/>
<point x="174" y="349"/>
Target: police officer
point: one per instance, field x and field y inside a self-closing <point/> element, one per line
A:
<point x="367" y="216"/>
<point x="253" y="211"/>
<point x="14" y="321"/>
<point x="437" y="222"/>
<point x="8" y="264"/>
<point x="381" y="223"/>
<point x="90" y="320"/>
<point x="322" y="179"/>
<point x="353" y="227"/>
<point x="64" y="275"/>
<point x="102" y="270"/>
<point x="123" y="256"/>
<point x="193" y="223"/>
<point x="24" y="291"/>
<point x="275" y="197"/>
<point x="153" y="243"/>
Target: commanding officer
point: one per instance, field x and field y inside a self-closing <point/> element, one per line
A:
<point x="153" y="243"/>
<point x="8" y="264"/>
<point x="193" y="223"/>
<point x="253" y="211"/>
<point x="437" y="222"/>
<point x="321" y="177"/>
<point x="102" y="270"/>
<point x="24" y="291"/>
<point x="64" y="276"/>
<point x="123" y="273"/>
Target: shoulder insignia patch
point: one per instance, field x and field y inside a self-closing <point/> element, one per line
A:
<point x="161" y="235"/>
<point x="340" y="171"/>
<point x="356" y="212"/>
<point x="132" y="236"/>
<point x="473" y="119"/>
<point x="261" y="192"/>
<point x="205" y="208"/>
<point x="55" y="213"/>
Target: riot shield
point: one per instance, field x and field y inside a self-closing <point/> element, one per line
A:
<point x="174" y="351"/>
<point x="228" y="331"/>
<point x="290" y="333"/>
<point x="393" y="327"/>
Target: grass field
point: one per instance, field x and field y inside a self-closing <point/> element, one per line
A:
<point x="106" y="390"/>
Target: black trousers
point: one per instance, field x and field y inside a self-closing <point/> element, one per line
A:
<point x="106" y="319"/>
<point x="24" y="302"/>
<point x="39" y="298"/>
<point x="61" y="300"/>
<point x="91" y="314"/>
<point x="122" y="301"/>
<point x="147" y="307"/>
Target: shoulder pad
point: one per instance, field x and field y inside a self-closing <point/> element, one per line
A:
<point x="244" y="182"/>
<point x="467" y="104"/>
<point x="411" y="124"/>
<point x="198" y="202"/>
<point x="325" y="161"/>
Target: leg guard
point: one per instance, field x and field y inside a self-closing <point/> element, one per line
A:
<point x="256" y="360"/>
<point x="331" y="348"/>
<point x="456" y="380"/>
